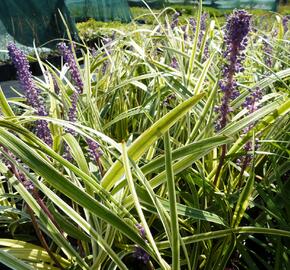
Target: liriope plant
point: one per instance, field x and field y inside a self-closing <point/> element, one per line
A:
<point x="134" y="171"/>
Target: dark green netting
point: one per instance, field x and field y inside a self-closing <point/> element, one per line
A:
<point x="101" y="10"/>
<point x="221" y="4"/>
<point x="25" y="21"/>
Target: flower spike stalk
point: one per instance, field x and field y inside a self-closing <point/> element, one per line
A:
<point x="251" y="105"/>
<point x="31" y="92"/>
<point x="237" y="28"/>
<point x="94" y="151"/>
<point x="140" y="253"/>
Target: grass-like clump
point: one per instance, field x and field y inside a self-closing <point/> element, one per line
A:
<point x="163" y="146"/>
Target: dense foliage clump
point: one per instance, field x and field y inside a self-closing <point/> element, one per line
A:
<point x="162" y="147"/>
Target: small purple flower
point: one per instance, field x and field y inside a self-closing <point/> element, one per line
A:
<point x="251" y="104"/>
<point x="94" y="150"/>
<point x="268" y="49"/>
<point x="192" y="22"/>
<point x="72" y="117"/>
<point x="202" y="30"/>
<point x="237" y="29"/>
<point x="71" y="62"/>
<point x="140" y="253"/>
<point x="28" y="184"/>
<point x="251" y="101"/>
<point x="175" y="20"/>
<point x="184" y="29"/>
<point x="24" y="75"/>
<point x="76" y="77"/>
<point x="32" y="94"/>
<point x="105" y="67"/>
<point x="141" y="230"/>
<point x="174" y="63"/>
<point x="203" y="21"/>
<point x="72" y="113"/>
<point x="55" y="85"/>
<point x="285" y="21"/>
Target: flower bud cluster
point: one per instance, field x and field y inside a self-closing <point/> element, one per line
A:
<point x="69" y="59"/>
<point x="94" y="150"/>
<point x="251" y="105"/>
<point x="268" y="50"/>
<point x="192" y="23"/>
<point x="285" y="21"/>
<point x="174" y="63"/>
<point x="202" y="30"/>
<point x="174" y="20"/>
<point x="184" y="30"/>
<point x="237" y="28"/>
<point x="32" y="94"/>
<point x="140" y="253"/>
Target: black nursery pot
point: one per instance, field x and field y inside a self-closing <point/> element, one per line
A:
<point x="8" y="71"/>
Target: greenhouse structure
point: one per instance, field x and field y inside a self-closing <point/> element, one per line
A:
<point x="221" y="4"/>
<point x="101" y="10"/>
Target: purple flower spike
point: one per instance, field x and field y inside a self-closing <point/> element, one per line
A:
<point x="141" y="255"/>
<point x="72" y="117"/>
<point x="268" y="49"/>
<point x="251" y="102"/>
<point x="192" y="22"/>
<point x="285" y="21"/>
<point x="94" y="150"/>
<point x="72" y="113"/>
<point x="139" y="252"/>
<point x="141" y="231"/>
<point x="174" y="22"/>
<point x="32" y="94"/>
<point x="251" y="105"/>
<point x="237" y="28"/>
<point x="184" y="29"/>
<point x="71" y="62"/>
<point x="76" y="77"/>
